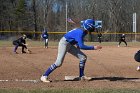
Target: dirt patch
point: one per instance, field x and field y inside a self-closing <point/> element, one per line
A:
<point x="111" y="67"/>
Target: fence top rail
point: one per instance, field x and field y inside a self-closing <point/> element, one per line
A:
<point x="39" y="32"/>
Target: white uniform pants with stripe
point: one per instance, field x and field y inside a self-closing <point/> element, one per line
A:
<point x="65" y="47"/>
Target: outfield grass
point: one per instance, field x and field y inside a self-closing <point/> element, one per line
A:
<point x="30" y="43"/>
<point x="69" y="91"/>
<point x="55" y="43"/>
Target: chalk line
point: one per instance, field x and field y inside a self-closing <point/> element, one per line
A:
<point x="21" y="80"/>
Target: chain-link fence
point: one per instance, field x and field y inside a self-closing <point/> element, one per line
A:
<point x="55" y="36"/>
<point x="113" y="37"/>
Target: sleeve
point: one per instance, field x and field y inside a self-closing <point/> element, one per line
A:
<point x="81" y="44"/>
<point x="47" y="35"/>
<point x="41" y="36"/>
<point x="44" y="35"/>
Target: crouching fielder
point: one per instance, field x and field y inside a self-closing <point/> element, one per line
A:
<point x="66" y="44"/>
<point x="21" y="42"/>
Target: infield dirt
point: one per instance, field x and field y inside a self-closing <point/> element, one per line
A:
<point x="111" y="67"/>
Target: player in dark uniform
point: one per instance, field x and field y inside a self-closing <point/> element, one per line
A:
<point x="100" y="37"/>
<point x="45" y="37"/>
<point x="21" y="42"/>
<point x="122" y="39"/>
<point x="137" y="59"/>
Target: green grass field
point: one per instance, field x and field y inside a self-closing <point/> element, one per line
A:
<point x="69" y="91"/>
<point x="55" y="43"/>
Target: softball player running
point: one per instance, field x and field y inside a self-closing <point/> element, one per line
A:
<point x="66" y="44"/>
<point x="45" y="37"/>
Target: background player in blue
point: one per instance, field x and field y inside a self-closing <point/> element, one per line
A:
<point x="45" y="37"/>
<point x="66" y="44"/>
<point x="21" y="42"/>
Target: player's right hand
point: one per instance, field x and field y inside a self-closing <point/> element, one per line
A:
<point x="97" y="47"/>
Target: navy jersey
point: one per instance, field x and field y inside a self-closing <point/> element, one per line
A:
<point x="45" y="35"/>
<point x="123" y="37"/>
<point x="76" y="36"/>
<point x="100" y="35"/>
<point x="20" y="41"/>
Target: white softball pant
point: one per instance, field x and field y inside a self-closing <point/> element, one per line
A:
<point x="65" y="47"/>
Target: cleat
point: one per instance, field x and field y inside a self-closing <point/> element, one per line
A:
<point x="45" y="47"/>
<point x="44" y="79"/>
<point x="23" y="52"/>
<point x="16" y="52"/>
<point x="85" y="78"/>
<point x="29" y="51"/>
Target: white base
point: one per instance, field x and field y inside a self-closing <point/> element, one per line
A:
<point x="71" y="77"/>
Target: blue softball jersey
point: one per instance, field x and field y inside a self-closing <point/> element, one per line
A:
<point x="45" y="35"/>
<point x="76" y="36"/>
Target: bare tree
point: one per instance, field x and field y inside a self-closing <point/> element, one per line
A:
<point x="37" y="15"/>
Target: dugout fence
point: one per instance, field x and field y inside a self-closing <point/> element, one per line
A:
<point x="55" y="36"/>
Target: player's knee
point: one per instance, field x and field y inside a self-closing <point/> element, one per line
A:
<point x="83" y="58"/>
<point x="58" y="64"/>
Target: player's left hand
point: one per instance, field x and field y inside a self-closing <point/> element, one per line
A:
<point x="97" y="47"/>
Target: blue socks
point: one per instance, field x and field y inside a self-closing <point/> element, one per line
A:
<point x="81" y="68"/>
<point x="53" y="67"/>
<point x="50" y="70"/>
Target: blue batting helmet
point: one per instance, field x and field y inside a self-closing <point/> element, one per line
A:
<point x="88" y="25"/>
<point x="137" y="56"/>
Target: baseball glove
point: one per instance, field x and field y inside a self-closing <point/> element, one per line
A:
<point x="29" y="51"/>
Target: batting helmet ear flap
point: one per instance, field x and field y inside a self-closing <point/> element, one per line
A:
<point x="137" y="56"/>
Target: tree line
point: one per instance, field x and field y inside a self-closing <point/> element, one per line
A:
<point x="36" y="15"/>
